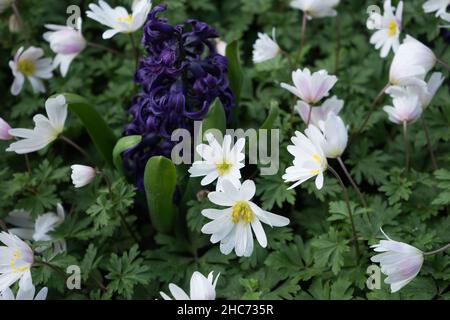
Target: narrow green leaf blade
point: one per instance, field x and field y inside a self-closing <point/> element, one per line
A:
<point x="235" y="74"/>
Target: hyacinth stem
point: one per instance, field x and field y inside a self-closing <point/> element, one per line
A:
<point x="99" y="46"/>
<point x="75" y="146"/>
<point x="430" y="146"/>
<point x="135" y="49"/>
<point x="121" y="216"/>
<point x="369" y="115"/>
<point x="349" y="209"/>
<point x="407" y="150"/>
<point x="353" y="183"/>
<point x="444" y="64"/>
<point x="430" y="253"/>
<point x="302" y="37"/>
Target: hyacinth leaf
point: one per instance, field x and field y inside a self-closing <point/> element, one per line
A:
<point x="274" y="111"/>
<point x="123" y="144"/>
<point x="160" y="181"/>
<point x="235" y="74"/>
<point x="216" y="118"/>
<point x="101" y="134"/>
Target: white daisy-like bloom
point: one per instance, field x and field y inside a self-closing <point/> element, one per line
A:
<point x="4" y="130"/>
<point x="5" y="4"/>
<point x="82" y="175"/>
<point x="66" y="42"/>
<point x="425" y="96"/>
<point x="311" y="88"/>
<point x="309" y="161"/>
<point x="37" y="230"/>
<point x="401" y="262"/>
<point x="233" y="226"/>
<point x="316" y="8"/>
<point x="388" y="34"/>
<point x="438" y="6"/>
<point x="46" y="130"/>
<point x="30" y="64"/>
<point x="412" y="61"/>
<point x="265" y="47"/>
<point x="118" y="19"/>
<point x="201" y="288"/>
<point x="221" y="47"/>
<point x="221" y="162"/>
<point x="407" y="108"/>
<point x="16" y="258"/>
<point x="446" y="17"/>
<point x="23" y="294"/>
<point x="332" y="136"/>
<point x="320" y="113"/>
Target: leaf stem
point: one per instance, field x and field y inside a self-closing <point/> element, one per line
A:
<point x="302" y="37"/>
<point x="111" y="50"/>
<point x="349" y="209"/>
<point x="430" y="253"/>
<point x="75" y="146"/>
<point x="443" y="63"/>
<point x="135" y="49"/>
<point x="430" y="146"/>
<point x="353" y="183"/>
<point x="407" y="150"/>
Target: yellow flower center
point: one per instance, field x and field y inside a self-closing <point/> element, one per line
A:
<point x="316" y="171"/>
<point x="241" y="211"/>
<point x="127" y="19"/>
<point x="16" y="255"/>
<point x="317" y="158"/>
<point x="223" y="167"/>
<point x="392" y="28"/>
<point x="26" y="67"/>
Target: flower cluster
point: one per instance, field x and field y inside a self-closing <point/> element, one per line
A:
<point x="180" y="77"/>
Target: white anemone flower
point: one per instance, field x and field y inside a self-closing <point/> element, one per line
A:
<point x="412" y="61"/>
<point x="316" y="8"/>
<point x="332" y="136"/>
<point x="221" y="162"/>
<point x="407" y="108"/>
<point x="438" y="6"/>
<point x="221" y="47"/>
<point x="319" y="113"/>
<point x="201" y="288"/>
<point x="37" y="230"/>
<point x="23" y="294"/>
<point x="265" y="48"/>
<point x="82" y="175"/>
<point x="309" y="161"/>
<point x="311" y="88"/>
<point x="401" y="262"/>
<point x="30" y="64"/>
<point x="4" y="130"/>
<point x="388" y="34"/>
<point x="16" y="258"/>
<point x="66" y="42"/>
<point x="46" y="130"/>
<point x="118" y="19"/>
<point x="233" y="226"/>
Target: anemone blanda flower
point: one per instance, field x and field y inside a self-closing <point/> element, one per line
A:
<point x="46" y="130"/>
<point x="16" y="258"/>
<point x="201" y="288"/>
<point x="177" y="89"/>
<point x="407" y="108"/>
<point x="221" y="162"/>
<point x="425" y="96"/>
<point x="118" y="19"/>
<point x="309" y="160"/>
<point x="4" y="130"/>
<point x="30" y="64"/>
<point x="66" y="42"/>
<point x="438" y="6"/>
<point x="265" y="47"/>
<point x="221" y="47"/>
<point x="82" y="175"/>
<point x="233" y="226"/>
<point x="316" y="9"/>
<point x="23" y="294"/>
<point x="319" y="113"/>
<point x="401" y="262"/>
<point x="311" y="88"/>
<point x="412" y="61"/>
<point x="388" y="34"/>
<point x="332" y="136"/>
